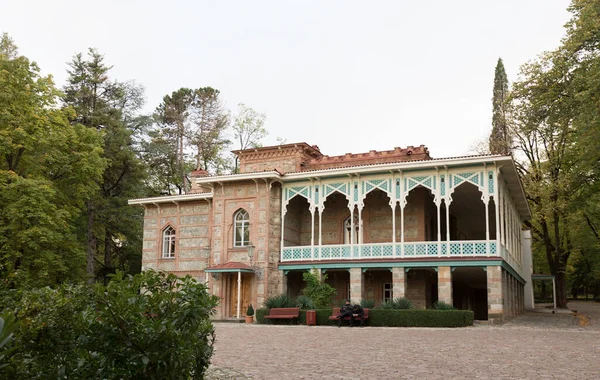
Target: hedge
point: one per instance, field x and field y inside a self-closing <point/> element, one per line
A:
<point x="389" y="318"/>
<point x="420" y="318"/>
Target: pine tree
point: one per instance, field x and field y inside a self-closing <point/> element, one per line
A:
<point x="499" y="141"/>
<point x="110" y="107"/>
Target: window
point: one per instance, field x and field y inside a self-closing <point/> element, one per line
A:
<point x="242" y="229"/>
<point x="387" y="291"/>
<point x="348" y="228"/>
<point x="168" y="248"/>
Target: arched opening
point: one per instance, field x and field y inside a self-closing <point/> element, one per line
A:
<point x="377" y="218"/>
<point x="335" y="212"/>
<point x="420" y="216"/>
<point x="297" y="223"/>
<point x="467" y="213"/>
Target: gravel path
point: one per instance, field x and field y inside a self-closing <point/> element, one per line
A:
<point x="533" y="346"/>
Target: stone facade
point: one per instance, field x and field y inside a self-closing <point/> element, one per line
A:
<point x="389" y="207"/>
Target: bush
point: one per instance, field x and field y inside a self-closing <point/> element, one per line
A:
<point x="259" y="315"/>
<point x="389" y="317"/>
<point x="151" y="325"/>
<point x="420" y="318"/>
<point x="317" y="290"/>
<point x="440" y="305"/>
<point x="304" y="302"/>
<point x="397" y="304"/>
<point x="250" y="311"/>
<point x="369" y="304"/>
<point x="280" y="301"/>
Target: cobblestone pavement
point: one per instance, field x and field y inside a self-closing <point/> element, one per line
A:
<point x="533" y="346"/>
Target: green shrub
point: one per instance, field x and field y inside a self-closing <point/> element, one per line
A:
<point x="440" y="305"/>
<point x="152" y="325"/>
<point x="317" y="290"/>
<point x="401" y="303"/>
<point x="8" y="324"/>
<point x="250" y="311"/>
<point x="304" y="302"/>
<point x="259" y="315"/>
<point x="281" y="300"/>
<point x="420" y="318"/>
<point x="367" y="303"/>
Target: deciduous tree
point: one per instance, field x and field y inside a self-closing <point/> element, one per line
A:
<point x="48" y="170"/>
<point x="248" y="129"/>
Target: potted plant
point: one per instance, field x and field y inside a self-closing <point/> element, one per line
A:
<point x="250" y="314"/>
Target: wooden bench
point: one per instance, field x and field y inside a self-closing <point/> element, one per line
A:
<point x="283" y="313"/>
<point x="336" y="311"/>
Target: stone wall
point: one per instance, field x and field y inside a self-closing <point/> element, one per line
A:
<point x="192" y="223"/>
<point x="420" y="286"/>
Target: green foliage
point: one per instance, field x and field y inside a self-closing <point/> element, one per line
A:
<point x="110" y="229"/>
<point x="440" y="305"/>
<point x="367" y="303"/>
<point x="317" y="290"/>
<point x="260" y="315"/>
<point x="248" y="129"/>
<point x="8" y="325"/>
<point x="188" y="134"/>
<point x="397" y="303"/>
<point x="390" y="318"/>
<point x="250" y="311"/>
<point x="420" y="318"/>
<point x="48" y="170"/>
<point x="282" y="300"/>
<point x="151" y="325"/>
<point x="500" y="140"/>
<point x="554" y="114"/>
<point x="304" y="302"/>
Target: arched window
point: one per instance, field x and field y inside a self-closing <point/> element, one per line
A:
<point x="348" y="229"/>
<point x="168" y="247"/>
<point x="241" y="236"/>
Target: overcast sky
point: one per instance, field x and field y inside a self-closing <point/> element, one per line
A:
<point x="348" y="76"/>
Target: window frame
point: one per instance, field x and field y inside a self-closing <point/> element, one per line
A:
<point x="169" y="242"/>
<point x="244" y="225"/>
<point x="388" y="287"/>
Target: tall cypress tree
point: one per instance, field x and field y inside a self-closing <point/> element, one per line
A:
<point x="499" y="141"/>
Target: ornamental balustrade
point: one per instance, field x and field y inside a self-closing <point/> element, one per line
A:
<point x="453" y="249"/>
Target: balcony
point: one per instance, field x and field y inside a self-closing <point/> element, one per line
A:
<point x="429" y="249"/>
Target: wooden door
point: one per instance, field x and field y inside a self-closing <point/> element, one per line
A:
<point x="245" y="295"/>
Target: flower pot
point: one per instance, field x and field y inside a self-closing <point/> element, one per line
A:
<point x="249" y="319"/>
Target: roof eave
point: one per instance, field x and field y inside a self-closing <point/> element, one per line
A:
<point x="170" y="199"/>
<point x="403" y="165"/>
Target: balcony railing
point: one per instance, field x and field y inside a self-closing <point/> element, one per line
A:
<point x="468" y="248"/>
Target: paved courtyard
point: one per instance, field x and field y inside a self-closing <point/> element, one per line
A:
<point x="533" y="346"/>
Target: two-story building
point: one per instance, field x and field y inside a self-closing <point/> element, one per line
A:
<point x="380" y="225"/>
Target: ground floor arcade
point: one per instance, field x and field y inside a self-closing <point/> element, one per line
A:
<point x="493" y="291"/>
